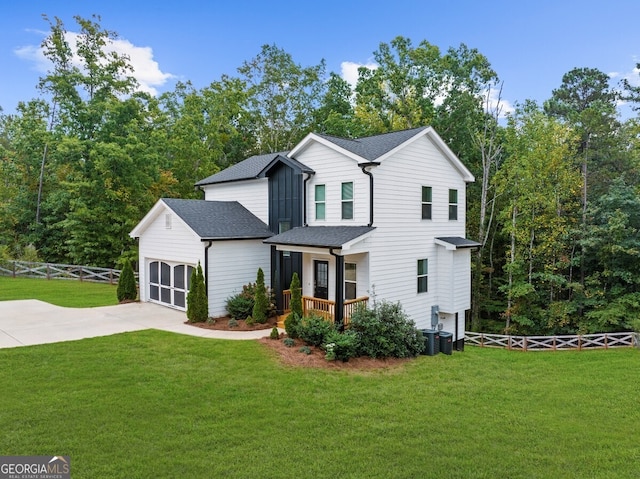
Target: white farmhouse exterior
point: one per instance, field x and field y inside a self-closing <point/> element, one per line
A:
<point x="376" y="218"/>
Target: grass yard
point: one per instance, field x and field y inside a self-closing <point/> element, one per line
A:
<point x="155" y="404"/>
<point x="68" y="293"/>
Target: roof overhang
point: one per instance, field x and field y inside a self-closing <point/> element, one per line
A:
<point x="453" y="243"/>
<point x="320" y="238"/>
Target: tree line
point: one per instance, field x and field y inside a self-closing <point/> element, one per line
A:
<point x="555" y="205"/>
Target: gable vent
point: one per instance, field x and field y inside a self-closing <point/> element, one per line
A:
<point x="167" y="221"/>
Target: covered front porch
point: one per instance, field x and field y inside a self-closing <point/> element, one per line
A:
<point x="324" y="308"/>
<point x="333" y="269"/>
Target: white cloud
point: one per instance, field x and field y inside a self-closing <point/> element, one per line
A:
<point x="349" y="71"/>
<point x="495" y="103"/>
<point x="145" y="69"/>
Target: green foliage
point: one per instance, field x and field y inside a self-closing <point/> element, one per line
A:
<point x="240" y="306"/>
<point x="305" y="350"/>
<point x="292" y="325"/>
<point x="250" y="321"/>
<point x="275" y="334"/>
<point x="341" y="346"/>
<point x="197" y="302"/>
<point x="314" y="330"/>
<point x="296" y="296"/>
<point x="261" y="300"/>
<point x="386" y="331"/>
<point x="232" y="323"/>
<point x="127" y="288"/>
<point x="289" y="342"/>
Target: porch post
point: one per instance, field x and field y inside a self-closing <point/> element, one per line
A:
<point x="339" y="319"/>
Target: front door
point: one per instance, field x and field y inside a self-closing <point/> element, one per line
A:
<point x="321" y="279"/>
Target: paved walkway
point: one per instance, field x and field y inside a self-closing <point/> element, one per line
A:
<point x="29" y="322"/>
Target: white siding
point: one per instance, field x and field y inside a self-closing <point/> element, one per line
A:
<point x="178" y="244"/>
<point x="332" y="169"/>
<point x="233" y="264"/>
<point x="402" y="237"/>
<point x="252" y="194"/>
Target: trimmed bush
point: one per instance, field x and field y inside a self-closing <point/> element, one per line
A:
<point x="275" y="334"/>
<point x="197" y="302"/>
<point x="341" y="346"/>
<point x="241" y="305"/>
<point x="386" y="331"/>
<point x="260" y="300"/>
<point x="314" y="330"/>
<point x="127" y="289"/>
<point x="293" y="320"/>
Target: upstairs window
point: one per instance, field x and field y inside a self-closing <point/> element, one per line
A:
<point x="426" y="202"/>
<point x="320" y="202"/>
<point x="423" y="275"/>
<point x="347" y="201"/>
<point x="453" y="204"/>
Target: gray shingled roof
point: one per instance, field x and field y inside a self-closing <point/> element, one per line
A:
<point x="216" y="220"/>
<point x="459" y="242"/>
<point x="245" y="170"/>
<point x="373" y="147"/>
<point x="319" y="236"/>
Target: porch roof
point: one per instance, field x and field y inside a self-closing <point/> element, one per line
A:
<point x="320" y="236"/>
<point x="456" y="242"/>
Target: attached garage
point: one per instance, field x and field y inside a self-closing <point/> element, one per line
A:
<point x="178" y="234"/>
<point x="169" y="283"/>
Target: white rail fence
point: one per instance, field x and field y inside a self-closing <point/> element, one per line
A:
<point x="59" y="271"/>
<point x="553" y="343"/>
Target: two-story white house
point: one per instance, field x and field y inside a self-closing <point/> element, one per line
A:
<point x="376" y="218"/>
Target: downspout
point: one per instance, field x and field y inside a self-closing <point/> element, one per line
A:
<point x="370" y="175"/>
<point x="339" y="319"/>
<point x="206" y="267"/>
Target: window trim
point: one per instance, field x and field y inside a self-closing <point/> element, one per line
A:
<point x="345" y="201"/>
<point x="453" y="205"/>
<point x="428" y="203"/>
<point x="349" y="281"/>
<point x="322" y="202"/>
<point x="422" y="277"/>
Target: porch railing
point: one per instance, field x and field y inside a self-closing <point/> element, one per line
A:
<point x="324" y="307"/>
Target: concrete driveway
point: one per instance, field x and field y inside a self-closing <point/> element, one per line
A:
<point x="29" y="322"/>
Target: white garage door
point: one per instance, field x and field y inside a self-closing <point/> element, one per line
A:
<point x="169" y="283"/>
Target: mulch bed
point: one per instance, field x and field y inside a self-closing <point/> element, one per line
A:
<point x="222" y="324"/>
<point x="292" y="356"/>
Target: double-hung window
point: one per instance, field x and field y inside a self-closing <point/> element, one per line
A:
<point x="350" y="281"/>
<point x="347" y="201"/>
<point x="426" y="202"/>
<point x="320" y="202"/>
<point x="423" y="275"/>
<point x="453" y="204"/>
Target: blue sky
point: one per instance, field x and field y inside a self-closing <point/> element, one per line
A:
<point x="529" y="44"/>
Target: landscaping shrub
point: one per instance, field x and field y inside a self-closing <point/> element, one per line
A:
<point x="240" y="306"/>
<point x="386" y="331"/>
<point x="292" y="322"/>
<point x="314" y="330"/>
<point x="260" y="300"/>
<point x="127" y="289"/>
<point x="341" y="346"/>
<point x="289" y="342"/>
<point x="197" y="302"/>
<point x="275" y="334"/>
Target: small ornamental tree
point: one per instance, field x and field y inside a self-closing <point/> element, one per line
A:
<point x="292" y="322"/>
<point x="261" y="301"/>
<point x="197" y="303"/>
<point x="127" y="290"/>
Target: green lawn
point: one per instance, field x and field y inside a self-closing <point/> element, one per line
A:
<point x="69" y="293"/>
<point x="153" y="404"/>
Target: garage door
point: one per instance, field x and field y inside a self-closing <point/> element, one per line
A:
<point x="169" y="283"/>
